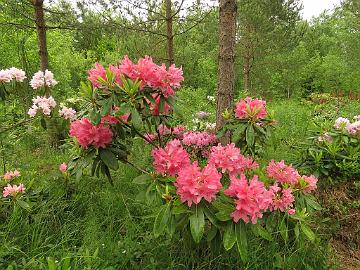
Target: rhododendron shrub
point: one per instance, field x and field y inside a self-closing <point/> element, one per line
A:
<point x="12" y="190"/>
<point x="332" y="150"/>
<point x="249" y="124"/>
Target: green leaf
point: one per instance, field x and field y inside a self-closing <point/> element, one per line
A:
<point x="95" y="117"/>
<point x="241" y="240"/>
<point x="180" y="209"/>
<point x="51" y="263"/>
<point x="310" y="201"/>
<point x="197" y="224"/>
<point x="223" y="216"/>
<point x="109" y="159"/>
<point x="250" y="136"/>
<point x="229" y="237"/>
<point x="142" y="179"/>
<point x="212" y="233"/>
<point x="136" y="119"/>
<point x="308" y="232"/>
<point x="284" y="230"/>
<point x="238" y="133"/>
<point x="23" y="204"/>
<point x="43" y="123"/>
<point x="162" y="219"/>
<point x="262" y="232"/>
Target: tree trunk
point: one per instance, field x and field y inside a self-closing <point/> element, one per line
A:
<point x="169" y="33"/>
<point x="41" y="33"/>
<point x="226" y="74"/>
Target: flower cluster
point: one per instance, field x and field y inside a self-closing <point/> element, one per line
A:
<point x="252" y="198"/>
<point x="13" y="73"/>
<point x="250" y="108"/>
<point x="193" y="184"/>
<point x="41" y="79"/>
<point x="228" y="158"/>
<point x="10" y="190"/>
<point x="282" y="198"/>
<point x="88" y="134"/>
<point x="163" y="130"/>
<point x="43" y="103"/>
<point x="10" y="175"/>
<point x="171" y="159"/>
<point x="199" y="139"/>
<point x="63" y="167"/>
<point x="67" y="113"/>
<point x="282" y="172"/>
<point x="345" y="124"/>
<point x="145" y="70"/>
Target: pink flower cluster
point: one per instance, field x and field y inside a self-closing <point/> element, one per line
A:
<point x="87" y="134"/>
<point x="252" y="198"/>
<point x="171" y="159"/>
<point x="67" y="113"/>
<point x="41" y="79"/>
<point x="43" y="103"/>
<point x="344" y="123"/>
<point x="10" y="175"/>
<point x="199" y="139"/>
<point x="193" y="184"/>
<point x="229" y="159"/>
<point x="10" y="190"/>
<point x="282" y="172"/>
<point x="7" y="75"/>
<point x="282" y="198"/>
<point x="145" y="70"/>
<point x="250" y="108"/>
<point x="163" y="130"/>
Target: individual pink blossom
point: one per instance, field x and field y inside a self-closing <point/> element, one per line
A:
<point x="169" y="160"/>
<point x="11" y="174"/>
<point x="87" y="134"/>
<point x="67" y="113"/>
<point x="63" y="167"/>
<point x="252" y="199"/>
<point x="291" y="211"/>
<point x="17" y="74"/>
<point x="43" y="103"/>
<point x="311" y="182"/>
<point x="250" y="108"/>
<point x="228" y="158"/>
<point x="282" y="198"/>
<point x="199" y="139"/>
<point x="41" y="79"/>
<point x="10" y="190"/>
<point x="282" y="172"/>
<point x="5" y="76"/>
<point x="193" y="184"/>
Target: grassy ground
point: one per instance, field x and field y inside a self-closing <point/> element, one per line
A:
<point x="97" y="226"/>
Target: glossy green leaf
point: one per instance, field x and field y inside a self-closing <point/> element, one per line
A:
<point x="109" y="159"/>
<point x="229" y="237"/>
<point x="162" y="219"/>
<point x="142" y="179"/>
<point x="197" y="224"/>
<point x="250" y="136"/>
<point x="307" y="231"/>
<point x="241" y="240"/>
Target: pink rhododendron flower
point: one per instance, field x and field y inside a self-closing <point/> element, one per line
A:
<point x="193" y="184"/>
<point x="250" y="108"/>
<point x="252" y="199"/>
<point x="282" y="172"/>
<point x="41" y="79"/>
<point x="291" y="212"/>
<point x="17" y="74"/>
<point x="5" y="76"/>
<point x="96" y="73"/>
<point x="43" y="103"/>
<point x="228" y="158"/>
<point x="311" y="183"/>
<point x="63" y="167"/>
<point x="341" y="123"/>
<point x="68" y="113"/>
<point x="171" y="159"/>
<point x="11" y="174"/>
<point x="199" y="139"/>
<point x="353" y="128"/>
<point x="87" y="134"/>
<point x="10" y="190"/>
<point x="282" y="198"/>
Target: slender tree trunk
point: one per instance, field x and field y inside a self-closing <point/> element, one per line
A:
<point x="41" y="33"/>
<point x="226" y="74"/>
<point x="247" y="67"/>
<point x="169" y="33"/>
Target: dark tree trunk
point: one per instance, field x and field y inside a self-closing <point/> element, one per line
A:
<point x="41" y="33"/>
<point x="169" y="33"/>
<point x="226" y="74"/>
